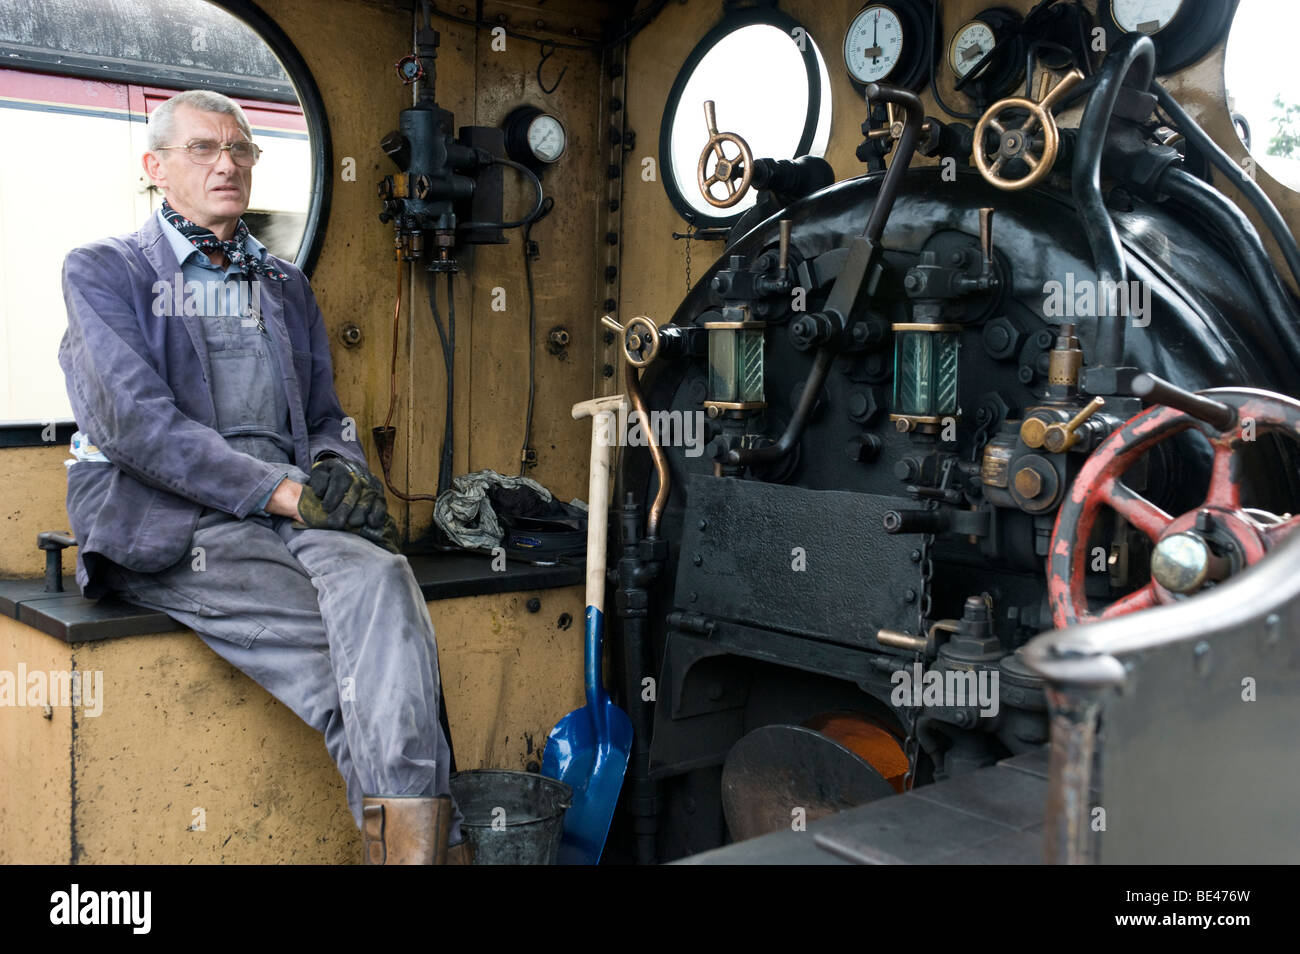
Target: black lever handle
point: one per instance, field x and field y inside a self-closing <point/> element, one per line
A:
<point x="1159" y="391"/>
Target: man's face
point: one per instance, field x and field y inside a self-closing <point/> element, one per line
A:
<point x="212" y="196"/>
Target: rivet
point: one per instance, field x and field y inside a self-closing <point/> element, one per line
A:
<point x="1203" y="661"/>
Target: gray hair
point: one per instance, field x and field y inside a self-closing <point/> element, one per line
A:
<point x="162" y="120"/>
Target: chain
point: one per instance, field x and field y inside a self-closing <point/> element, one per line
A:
<point x="688" y="261"/>
<point x="911" y="744"/>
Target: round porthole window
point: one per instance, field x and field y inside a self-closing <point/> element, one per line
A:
<point x="769" y="84"/>
<point x="1263" y="98"/>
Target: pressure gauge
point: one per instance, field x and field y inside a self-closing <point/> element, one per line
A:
<point x="886" y="43"/>
<point x="969" y="45"/>
<point x="534" y="138"/>
<point x="546" y="138"/>
<point x="874" y="44"/>
<point x="996" y="30"/>
<point x="1144" y="16"/>
<point x="1183" y="31"/>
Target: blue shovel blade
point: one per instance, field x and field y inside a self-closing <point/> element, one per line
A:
<point x="594" y="768"/>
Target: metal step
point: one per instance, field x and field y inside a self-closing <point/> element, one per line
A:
<point x="993" y="815"/>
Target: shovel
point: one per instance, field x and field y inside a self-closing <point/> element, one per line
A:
<point x="588" y="748"/>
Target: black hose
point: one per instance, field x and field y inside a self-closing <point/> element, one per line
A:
<point x="518" y="223"/>
<point x="1226" y="217"/>
<point x="449" y="432"/>
<point x="448" y="341"/>
<point x="1235" y="174"/>
<point x="935" y="38"/>
<point x="532" y="335"/>
<point x="1080" y="90"/>
<point x="1131" y="62"/>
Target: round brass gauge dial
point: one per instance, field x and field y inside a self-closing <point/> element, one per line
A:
<point x="968" y="46"/>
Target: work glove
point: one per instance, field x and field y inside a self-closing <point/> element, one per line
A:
<point x="386" y="537"/>
<point x="312" y="515"/>
<point x="344" y="496"/>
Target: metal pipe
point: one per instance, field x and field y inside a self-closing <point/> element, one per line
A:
<point x="900" y="640"/>
<point x="916" y="521"/>
<point x="1131" y="62"/>
<point x="633" y="389"/>
<point x="1067" y="834"/>
<point x="812" y="387"/>
<point x="914" y="115"/>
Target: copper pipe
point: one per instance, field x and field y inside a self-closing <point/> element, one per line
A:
<point x="386" y="436"/>
<point x="633" y="389"/>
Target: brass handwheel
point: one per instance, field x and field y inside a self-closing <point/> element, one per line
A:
<point x="725" y="168"/>
<point x="640" y="339"/>
<point x="1020" y="142"/>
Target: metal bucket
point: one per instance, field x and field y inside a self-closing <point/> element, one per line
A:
<point x="511" y="818"/>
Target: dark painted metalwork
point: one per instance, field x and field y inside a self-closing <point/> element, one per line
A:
<point x="742" y="639"/>
<point x="1130" y="63"/>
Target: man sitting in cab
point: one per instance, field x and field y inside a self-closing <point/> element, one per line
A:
<point x="217" y="479"/>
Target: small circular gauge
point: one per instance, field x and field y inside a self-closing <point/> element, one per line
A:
<point x="969" y="45"/>
<point x="874" y="44"/>
<point x="998" y="31"/>
<point x="546" y="138"/>
<point x="1182" y="31"/>
<point x="886" y="43"/>
<point x="1144" y="16"/>
<point x="534" y="138"/>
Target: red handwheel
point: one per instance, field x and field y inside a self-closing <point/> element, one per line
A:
<point x="1204" y="545"/>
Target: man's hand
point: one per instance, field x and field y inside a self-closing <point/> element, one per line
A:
<point x="284" y="501"/>
<point x="311" y="513"/>
<point x="292" y="499"/>
<point x="344" y="496"/>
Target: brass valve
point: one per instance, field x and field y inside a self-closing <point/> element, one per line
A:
<point x="640" y="339"/>
<point x="1018" y="142"/>
<point x="893" y="128"/>
<point x="1032" y="432"/>
<point x="724" y="168"/>
<point x="1059" y="438"/>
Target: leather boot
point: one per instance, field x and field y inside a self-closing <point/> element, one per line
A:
<point x="461" y="853"/>
<point x="405" y="829"/>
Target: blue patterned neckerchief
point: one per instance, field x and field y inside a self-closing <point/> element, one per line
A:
<point x="205" y="240"/>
